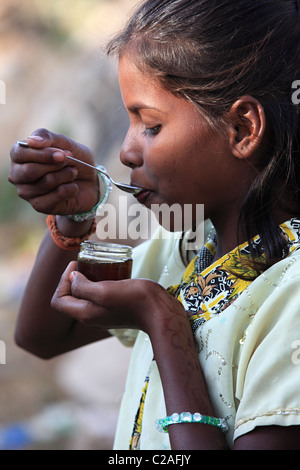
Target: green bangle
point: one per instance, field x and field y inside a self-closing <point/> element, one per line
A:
<point x="92" y="213"/>
<point x="187" y="417"/>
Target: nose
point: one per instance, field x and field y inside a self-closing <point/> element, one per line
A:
<point x="131" y="152"/>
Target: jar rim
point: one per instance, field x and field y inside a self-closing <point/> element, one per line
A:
<point x="105" y="246"/>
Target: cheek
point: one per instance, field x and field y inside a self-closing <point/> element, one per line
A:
<point x="160" y="158"/>
<point x="178" y="166"/>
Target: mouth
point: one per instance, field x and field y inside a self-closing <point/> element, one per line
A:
<point x="143" y="195"/>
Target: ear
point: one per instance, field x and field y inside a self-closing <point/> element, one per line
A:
<point x="248" y="125"/>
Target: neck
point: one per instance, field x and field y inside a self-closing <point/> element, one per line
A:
<point x="230" y="234"/>
<point x="228" y="230"/>
<point x="228" y="237"/>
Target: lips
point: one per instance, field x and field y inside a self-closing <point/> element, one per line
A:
<point x="145" y="192"/>
<point x="143" y="196"/>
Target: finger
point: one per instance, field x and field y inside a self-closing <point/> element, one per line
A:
<point x="101" y="293"/>
<point x="63" y="290"/>
<point x="32" y="172"/>
<point x="61" y="201"/>
<point x="48" y="155"/>
<point x="52" y="139"/>
<point x="60" y="141"/>
<point x="83" y="311"/>
<point x="64" y="285"/>
<point x="63" y="301"/>
<point x="55" y="148"/>
<point x="113" y="296"/>
<point x="36" y="162"/>
<point x="111" y="304"/>
<point x="42" y="138"/>
<point x="47" y="183"/>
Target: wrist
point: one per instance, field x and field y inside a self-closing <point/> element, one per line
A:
<point x="170" y="319"/>
<point x="64" y="242"/>
<point x="69" y="228"/>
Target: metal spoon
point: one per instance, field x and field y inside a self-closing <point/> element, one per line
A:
<point x="124" y="187"/>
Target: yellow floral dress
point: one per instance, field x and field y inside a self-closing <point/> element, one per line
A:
<point x="206" y="290"/>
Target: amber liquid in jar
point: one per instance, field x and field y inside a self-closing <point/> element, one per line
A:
<point x="105" y="261"/>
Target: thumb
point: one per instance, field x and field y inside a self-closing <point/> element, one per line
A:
<point x="80" y="285"/>
<point x="42" y="137"/>
<point x="64" y="285"/>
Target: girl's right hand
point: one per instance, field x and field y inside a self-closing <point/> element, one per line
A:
<point x="50" y="182"/>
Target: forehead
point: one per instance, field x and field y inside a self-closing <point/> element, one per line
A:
<point x="134" y="80"/>
<point x="141" y="90"/>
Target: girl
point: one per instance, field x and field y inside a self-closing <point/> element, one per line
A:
<point x="207" y="85"/>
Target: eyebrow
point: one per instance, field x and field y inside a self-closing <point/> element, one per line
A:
<point x="140" y="106"/>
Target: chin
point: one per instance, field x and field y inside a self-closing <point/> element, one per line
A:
<point x="177" y="218"/>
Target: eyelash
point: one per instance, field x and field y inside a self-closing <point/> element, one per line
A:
<point x="152" y="131"/>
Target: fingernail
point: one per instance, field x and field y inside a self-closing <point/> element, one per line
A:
<point x="75" y="172"/>
<point x="72" y="276"/>
<point x="59" y="156"/>
<point x="38" y="138"/>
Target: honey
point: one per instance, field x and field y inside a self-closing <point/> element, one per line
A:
<point x="105" y="261"/>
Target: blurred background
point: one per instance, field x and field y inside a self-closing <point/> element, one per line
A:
<point x="57" y="76"/>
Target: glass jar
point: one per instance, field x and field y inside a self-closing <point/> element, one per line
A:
<point x="100" y="261"/>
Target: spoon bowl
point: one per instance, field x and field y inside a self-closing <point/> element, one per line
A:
<point x="123" y="186"/>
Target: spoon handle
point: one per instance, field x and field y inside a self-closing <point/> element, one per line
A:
<point x="91" y="166"/>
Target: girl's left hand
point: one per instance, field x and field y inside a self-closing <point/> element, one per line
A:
<point x="130" y="303"/>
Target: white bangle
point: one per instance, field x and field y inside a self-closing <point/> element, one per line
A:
<point x="92" y="213"/>
<point x="187" y="417"/>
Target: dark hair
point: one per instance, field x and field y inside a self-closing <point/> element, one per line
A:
<point x="211" y="52"/>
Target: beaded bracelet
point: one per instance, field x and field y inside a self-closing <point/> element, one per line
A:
<point x="91" y="214"/>
<point x="187" y="417"/>
<point x="63" y="242"/>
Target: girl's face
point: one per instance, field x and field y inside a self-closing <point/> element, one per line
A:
<point x="173" y="152"/>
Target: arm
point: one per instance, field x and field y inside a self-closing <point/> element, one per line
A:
<point x="41" y="329"/>
<point x="183" y="381"/>
<point x="143" y="304"/>
<point x="43" y="178"/>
